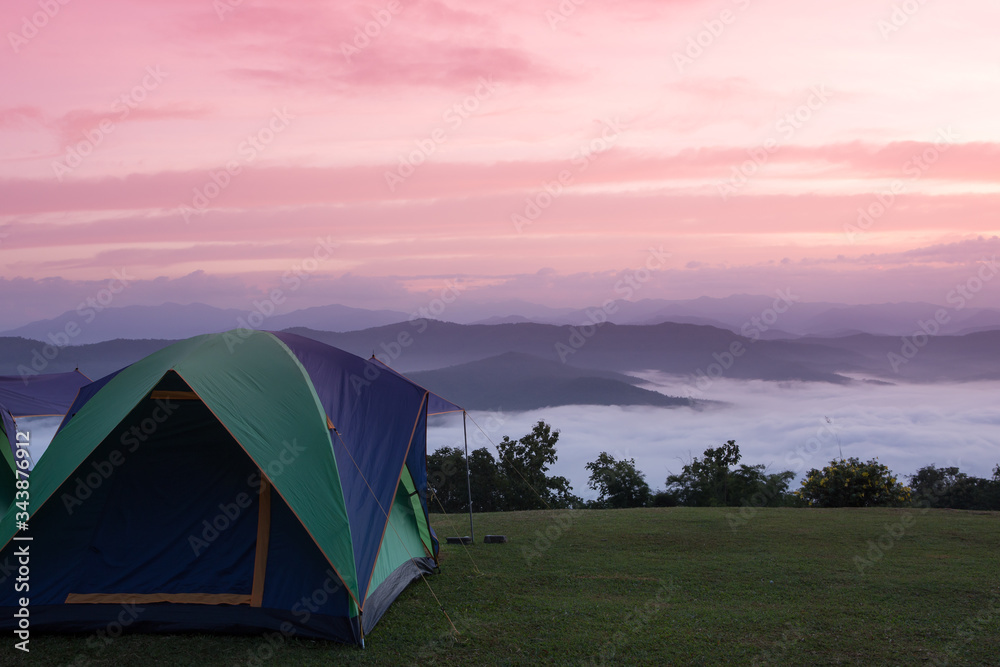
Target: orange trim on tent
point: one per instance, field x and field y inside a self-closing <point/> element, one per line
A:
<point x="30" y="416"/>
<point x="263" y="539"/>
<point x="174" y="395"/>
<point x="153" y="598"/>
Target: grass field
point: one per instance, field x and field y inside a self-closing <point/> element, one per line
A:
<point x="658" y="587"/>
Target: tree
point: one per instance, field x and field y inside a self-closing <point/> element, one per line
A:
<point x="618" y="483"/>
<point x="719" y="460"/>
<point x="752" y="485"/>
<point x="487" y="491"/>
<point x="705" y="481"/>
<point x="949" y="487"/>
<point x="446" y="480"/>
<point x="523" y="466"/>
<point x="936" y="486"/>
<point x="851" y="483"/>
<point x="712" y="481"/>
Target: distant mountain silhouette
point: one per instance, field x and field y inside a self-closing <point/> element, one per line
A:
<point x="96" y="360"/>
<point x="801" y="318"/>
<point x="522" y="365"/>
<point x="175" y="321"/>
<point x="516" y="381"/>
<point x="683" y="349"/>
<point x="741" y="314"/>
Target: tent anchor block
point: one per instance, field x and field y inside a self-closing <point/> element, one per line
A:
<point x="495" y="539"/>
<point x="460" y="540"/>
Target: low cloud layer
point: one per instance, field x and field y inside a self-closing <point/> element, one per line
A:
<point x="782" y="425"/>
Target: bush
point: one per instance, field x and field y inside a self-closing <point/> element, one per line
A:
<point x="951" y="488"/>
<point x="664" y="499"/>
<point x="851" y="483"/>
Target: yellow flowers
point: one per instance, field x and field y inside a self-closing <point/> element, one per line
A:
<point x="853" y="482"/>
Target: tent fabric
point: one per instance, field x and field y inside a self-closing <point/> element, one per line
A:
<point x="435" y="404"/>
<point x="85" y="394"/>
<point x="40" y="395"/>
<point x="152" y="493"/>
<point x="401" y="560"/>
<point x="400" y="542"/>
<point x="367" y="414"/>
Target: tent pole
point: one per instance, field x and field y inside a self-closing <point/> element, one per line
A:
<point x="468" y="476"/>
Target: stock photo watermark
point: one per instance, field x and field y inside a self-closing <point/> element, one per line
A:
<point x="100" y="639"/>
<point x="88" y="482"/>
<point x="365" y="35"/>
<point x="796" y="460"/>
<point x="247" y="151"/>
<point x="752" y="329"/>
<point x="94" y="136"/>
<point x="453" y="117"/>
<point x="914" y="168"/>
<point x="35" y="23"/>
<point x="712" y="29"/>
<point x="900" y="15"/>
<point x="786" y="126"/>
<point x="959" y="297"/>
<point x="626" y="287"/>
<point x="536" y="203"/>
<point x="390" y="351"/>
<point x="230" y="512"/>
<point x="294" y="278"/>
<point x="87" y="310"/>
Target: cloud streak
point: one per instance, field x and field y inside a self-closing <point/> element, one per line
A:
<point x="558" y="86"/>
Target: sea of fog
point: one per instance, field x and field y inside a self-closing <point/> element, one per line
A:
<point x="40" y="432"/>
<point x="786" y="426"/>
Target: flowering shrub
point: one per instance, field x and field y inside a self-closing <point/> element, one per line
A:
<point x="851" y="483"/>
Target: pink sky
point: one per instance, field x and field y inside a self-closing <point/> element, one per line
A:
<point x="827" y="108"/>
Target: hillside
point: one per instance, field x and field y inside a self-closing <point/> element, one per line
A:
<point x="683" y="349"/>
<point x="515" y="381"/>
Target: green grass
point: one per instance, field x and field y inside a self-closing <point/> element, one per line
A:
<point x="658" y="587"/>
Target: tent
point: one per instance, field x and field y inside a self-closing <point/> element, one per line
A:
<point x="30" y="395"/>
<point x="241" y="482"/>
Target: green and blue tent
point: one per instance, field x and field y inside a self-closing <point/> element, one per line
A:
<point x="241" y="482"/>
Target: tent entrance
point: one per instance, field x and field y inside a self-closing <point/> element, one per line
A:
<point x="183" y="514"/>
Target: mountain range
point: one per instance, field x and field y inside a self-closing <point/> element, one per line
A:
<point x="174" y="321"/>
<point x="527" y="365"/>
<point x="782" y="316"/>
